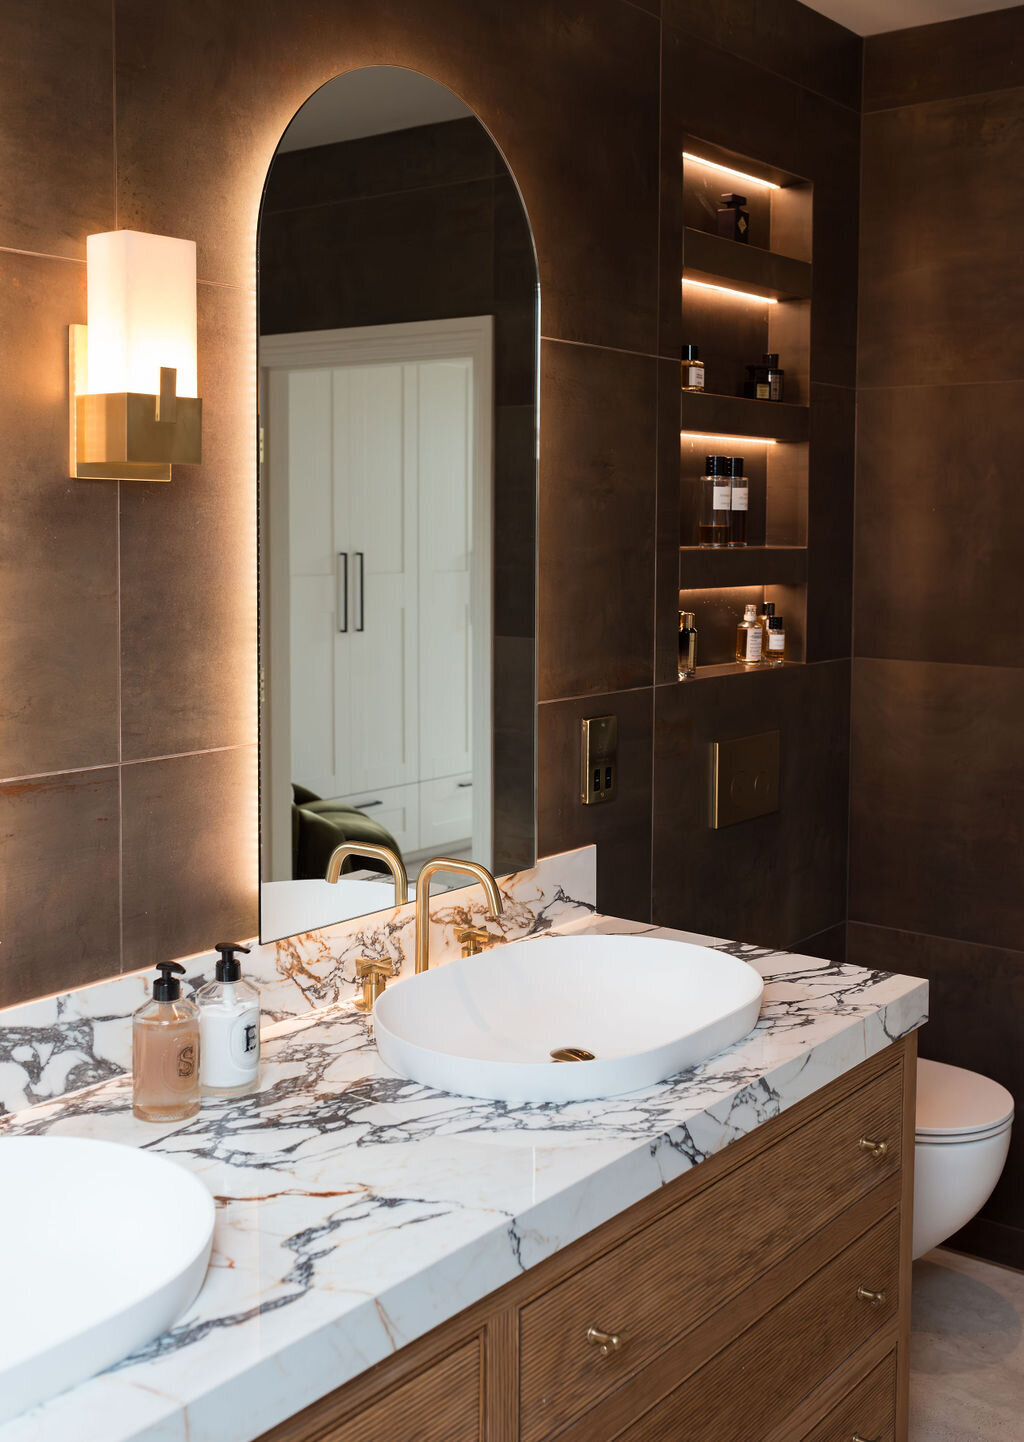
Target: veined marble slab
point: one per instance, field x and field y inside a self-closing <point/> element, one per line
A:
<point x="60" y="1044"/>
<point x="356" y="1210"/>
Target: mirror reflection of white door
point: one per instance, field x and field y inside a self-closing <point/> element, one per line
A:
<point x="378" y="491"/>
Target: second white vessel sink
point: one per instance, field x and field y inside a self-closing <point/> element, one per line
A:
<point x="493" y="1025"/>
<point x="102" y="1247"/>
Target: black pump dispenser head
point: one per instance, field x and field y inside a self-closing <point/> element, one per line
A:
<point x="167" y="987"/>
<point x="229" y="968"/>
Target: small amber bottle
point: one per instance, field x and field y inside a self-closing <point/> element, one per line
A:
<point x="775" y="655"/>
<point x="691" y="377"/>
<point x="748" y="638"/>
<point x="687" y="646"/>
<point x="165" y="1052"/>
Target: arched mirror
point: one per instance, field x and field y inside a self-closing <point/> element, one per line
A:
<point x="398" y="302"/>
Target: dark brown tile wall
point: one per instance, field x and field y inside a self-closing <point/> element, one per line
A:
<point x="129" y="612"/>
<point x="937" y="795"/>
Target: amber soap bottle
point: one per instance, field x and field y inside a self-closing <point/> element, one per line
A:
<point x="165" y="1051"/>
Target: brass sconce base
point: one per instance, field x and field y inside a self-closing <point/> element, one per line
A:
<point x="129" y="437"/>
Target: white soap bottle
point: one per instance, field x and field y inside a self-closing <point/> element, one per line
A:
<point x="229" y="1029"/>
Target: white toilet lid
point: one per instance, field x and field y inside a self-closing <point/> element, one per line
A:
<point x="955" y="1102"/>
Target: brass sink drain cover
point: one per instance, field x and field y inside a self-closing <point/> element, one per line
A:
<point x="571" y="1053"/>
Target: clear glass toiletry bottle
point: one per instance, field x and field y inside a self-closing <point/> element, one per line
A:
<point x="691" y="369"/>
<point x="229" y="1021"/>
<point x="715" y="502"/>
<point x="165" y="1051"/>
<point x="687" y="646"/>
<point x="748" y="638"/>
<point x="733" y="220"/>
<point x="775" y="655"/>
<point x="739" y="502"/>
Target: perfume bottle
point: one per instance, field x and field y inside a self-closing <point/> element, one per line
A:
<point x="739" y="500"/>
<point x="687" y="646"/>
<point x="733" y="220"/>
<point x="715" y="502"/>
<point x="767" y="611"/>
<point x="748" y="638"/>
<point x="776" y="653"/>
<point x="692" y="369"/>
<point x="776" y="378"/>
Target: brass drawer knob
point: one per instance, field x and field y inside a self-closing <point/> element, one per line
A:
<point x="608" y="1342"/>
<point x="858" y="1438"/>
<point x="877" y="1149"/>
<point x="875" y="1299"/>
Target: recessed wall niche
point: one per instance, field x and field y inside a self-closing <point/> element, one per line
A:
<point x="742" y="300"/>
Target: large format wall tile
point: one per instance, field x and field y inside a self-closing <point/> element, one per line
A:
<point x="938" y="799"/>
<point x="975" y="1002"/>
<point x="191" y="829"/>
<point x="571" y="97"/>
<point x="620" y="828"/>
<point x="942" y="206"/>
<point x="753" y="878"/>
<point x="783" y="36"/>
<point x="968" y="56"/>
<point x="56" y="124"/>
<point x="830" y="509"/>
<point x="58" y="541"/>
<point x="938" y="540"/>
<point x="59" y="858"/>
<point x="188" y="568"/>
<point x="596" y="521"/>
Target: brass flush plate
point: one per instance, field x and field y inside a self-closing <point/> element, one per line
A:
<point x="744" y="778"/>
<point x="599" y="764"/>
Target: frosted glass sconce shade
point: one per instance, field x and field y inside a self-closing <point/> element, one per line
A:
<point x="134" y="392"/>
<point x="142" y="311"/>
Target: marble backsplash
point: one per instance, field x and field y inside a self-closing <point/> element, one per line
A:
<point x="60" y="1044"/>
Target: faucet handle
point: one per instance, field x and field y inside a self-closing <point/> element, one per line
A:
<point x="374" y="975"/>
<point x="472" y="939"/>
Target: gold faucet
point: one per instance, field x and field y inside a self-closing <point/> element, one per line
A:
<point x="374" y="853"/>
<point x="470" y="936"/>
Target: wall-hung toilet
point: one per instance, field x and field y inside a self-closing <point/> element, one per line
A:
<point x="963" y="1125"/>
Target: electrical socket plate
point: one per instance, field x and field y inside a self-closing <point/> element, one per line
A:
<point x="599" y="765"/>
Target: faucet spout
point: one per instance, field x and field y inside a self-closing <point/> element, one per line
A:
<point x="372" y="852"/>
<point x="472" y="869"/>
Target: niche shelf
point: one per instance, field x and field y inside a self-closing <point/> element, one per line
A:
<point x="748" y="298"/>
<point x="738" y="417"/>
<point x="734" y="668"/>
<point x="712" y="260"/>
<point x="704" y="566"/>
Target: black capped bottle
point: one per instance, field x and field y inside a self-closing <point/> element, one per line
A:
<point x="229" y="1021"/>
<point x="739" y="502"/>
<point x="687" y="646"/>
<point x="733" y="220"/>
<point x="165" y="1051"/>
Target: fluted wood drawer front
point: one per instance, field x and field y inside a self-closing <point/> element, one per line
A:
<point x="755" y="1383"/>
<point x="443" y="1403"/>
<point x="867" y="1412"/>
<point x="657" y="1284"/>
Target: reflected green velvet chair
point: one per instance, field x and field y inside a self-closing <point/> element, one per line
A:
<point x="319" y="826"/>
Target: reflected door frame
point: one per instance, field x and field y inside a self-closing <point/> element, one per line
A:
<point x="465" y="337"/>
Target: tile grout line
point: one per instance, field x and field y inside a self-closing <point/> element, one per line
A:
<point x="115" y="764"/>
<point x="657" y="468"/>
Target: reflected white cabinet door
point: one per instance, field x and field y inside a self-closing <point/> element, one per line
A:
<point x="380" y="489"/>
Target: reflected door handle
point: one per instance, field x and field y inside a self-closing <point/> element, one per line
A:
<point x="365" y="805"/>
<point x="462" y="785"/>
<point x="341" y="590"/>
<point x="360" y="598"/>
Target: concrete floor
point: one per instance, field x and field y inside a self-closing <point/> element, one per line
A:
<point x="967" y="1351"/>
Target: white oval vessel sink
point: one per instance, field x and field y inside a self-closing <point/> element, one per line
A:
<point x="102" y="1247"/>
<point x="487" y="1025"/>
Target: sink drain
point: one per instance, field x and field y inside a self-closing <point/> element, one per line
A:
<point x="571" y="1053"/>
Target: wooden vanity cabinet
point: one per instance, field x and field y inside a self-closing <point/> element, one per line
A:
<point x="761" y="1297"/>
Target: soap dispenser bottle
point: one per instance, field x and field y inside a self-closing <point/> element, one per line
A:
<point x="229" y="1021"/>
<point x="165" y="1051"/>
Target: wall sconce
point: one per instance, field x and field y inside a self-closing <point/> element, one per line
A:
<point x="134" y="408"/>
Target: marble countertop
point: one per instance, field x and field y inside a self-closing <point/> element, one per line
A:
<point x="357" y="1210"/>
